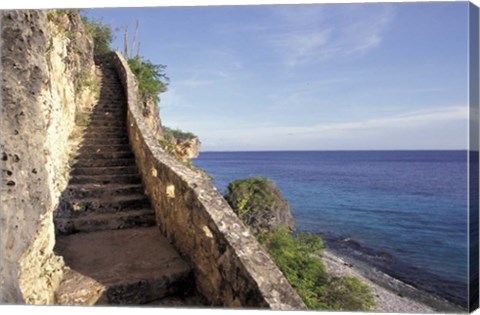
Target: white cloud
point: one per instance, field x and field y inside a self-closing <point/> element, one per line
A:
<point x="300" y="46"/>
<point x="317" y="35"/>
<point x="304" y="94"/>
<point x="172" y="99"/>
<point x="413" y="130"/>
<point x="300" y="14"/>
<point x="407" y="120"/>
<point x="225" y="66"/>
<point x="195" y="82"/>
<point x="201" y="78"/>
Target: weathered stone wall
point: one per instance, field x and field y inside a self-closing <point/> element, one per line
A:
<point x="231" y="269"/>
<point x="42" y="58"/>
<point x="151" y="115"/>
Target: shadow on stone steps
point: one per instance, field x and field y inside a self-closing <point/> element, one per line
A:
<point x="105" y="226"/>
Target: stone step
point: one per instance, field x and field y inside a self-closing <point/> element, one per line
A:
<point x="109" y="118"/>
<point x="106" y="179"/>
<point x="99" y="148"/>
<point x="93" y="134"/>
<point x="112" y="91"/>
<point x="112" y="74"/>
<point x="108" y="96"/>
<point x="109" y="129"/>
<point x="112" y="88"/>
<point x="108" y="115"/>
<point x="109" y="110"/>
<point x="135" y="266"/>
<point x="111" y="204"/>
<point x="111" y="102"/>
<point x="108" y="123"/>
<point x="113" y="170"/>
<point x="111" y="105"/>
<point x="111" y="98"/>
<point x="116" y="104"/>
<point x="105" y="221"/>
<point x="119" y="140"/>
<point x="106" y="155"/>
<point x="79" y="191"/>
<point x="103" y="162"/>
<point x="192" y="299"/>
<point x="114" y="83"/>
<point x="90" y="135"/>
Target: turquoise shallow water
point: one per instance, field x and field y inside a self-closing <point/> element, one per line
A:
<point x="404" y="212"/>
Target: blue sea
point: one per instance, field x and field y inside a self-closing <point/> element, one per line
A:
<point x="403" y="212"/>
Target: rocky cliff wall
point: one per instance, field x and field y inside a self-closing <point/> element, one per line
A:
<point x="183" y="149"/>
<point x="186" y="149"/>
<point x="231" y="269"/>
<point x="47" y="58"/>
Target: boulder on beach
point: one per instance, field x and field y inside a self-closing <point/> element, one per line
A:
<point x="259" y="204"/>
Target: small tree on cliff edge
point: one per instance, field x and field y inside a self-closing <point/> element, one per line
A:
<point x="152" y="79"/>
<point x="101" y="34"/>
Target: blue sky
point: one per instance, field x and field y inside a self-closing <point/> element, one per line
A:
<point x="310" y="77"/>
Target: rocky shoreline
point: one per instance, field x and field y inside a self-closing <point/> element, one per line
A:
<point x="392" y="295"/>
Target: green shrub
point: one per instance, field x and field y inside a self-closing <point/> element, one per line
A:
<point x="177" y="134"/>
<point x="168" y="146"/>
<point x="101" y="34"/>
<point x="347" y="294"/>
<point x="293" y="256"/>
<point x="57" y="17"/>
<point x="299" y="259"/>
<point x="54" y="15"/>
<point x="82" y="119"/>
<point x="86" y="79"/>
<point x="250" y="195"/>
<point x="152" y="79"/>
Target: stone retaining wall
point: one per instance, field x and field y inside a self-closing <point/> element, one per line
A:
<point x="231" y="269"/>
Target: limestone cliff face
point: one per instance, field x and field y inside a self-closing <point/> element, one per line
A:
<point x="186" y="149"/>
<point x="47" y="58"/>
<point x="183" y="145"/>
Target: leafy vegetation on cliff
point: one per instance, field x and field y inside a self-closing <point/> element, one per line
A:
<point x="348" y="294"/>
<point x="171" y="148"/>
<point x="297" y="256"/>
<point x="172" y="137"/>
<point x="298" y="259"/>
<point x="152" y="79"/>
<point x="101" y="34"/>
<point x="178" y="134"/>
<point x="250" y="195"/>
<point x="82" y="118"/>
<point x="175" y="143"/>
<point x="293" y="255"/>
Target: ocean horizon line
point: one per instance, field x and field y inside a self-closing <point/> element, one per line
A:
<point x="339" y="150"/>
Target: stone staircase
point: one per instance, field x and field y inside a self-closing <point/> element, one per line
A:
<point x="106" y="229"/>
